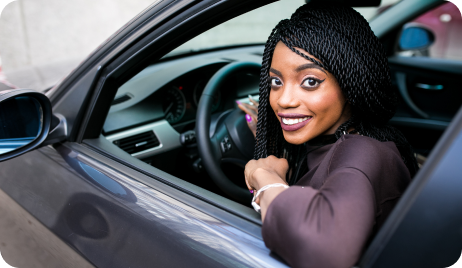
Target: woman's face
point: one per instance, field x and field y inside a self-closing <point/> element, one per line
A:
<point x="305" y="98"/>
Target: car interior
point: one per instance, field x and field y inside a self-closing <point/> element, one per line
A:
<point x="153" y="115"/>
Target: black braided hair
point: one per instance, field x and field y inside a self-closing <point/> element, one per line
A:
<point x="346" y="47"/>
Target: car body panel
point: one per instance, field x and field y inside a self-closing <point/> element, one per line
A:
<point x="424" y="229"/>
<point x="116" y="211"/>
<point x="116" y="221"/>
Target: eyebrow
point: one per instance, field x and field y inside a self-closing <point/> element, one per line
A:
<point x="309" y="66"/>
<point x="300" y="68"/>
<point x="276" y="72"/>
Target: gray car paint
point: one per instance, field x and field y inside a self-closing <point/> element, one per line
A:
<point x="116" y="221"/>
<point x="97" y="210"/>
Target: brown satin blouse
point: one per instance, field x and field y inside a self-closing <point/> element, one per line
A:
<point x="328" y="217"/>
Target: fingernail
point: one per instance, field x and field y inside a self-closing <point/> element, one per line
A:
<point x="251" y="191"/>
<point x="238" y="102"/>
<point x="248" y="118"/>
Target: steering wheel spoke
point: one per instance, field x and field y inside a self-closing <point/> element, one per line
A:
<point x="222" y="140"/>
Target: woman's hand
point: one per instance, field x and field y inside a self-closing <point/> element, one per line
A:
<point x="264" y="171"/>
<point x="251" y="114"/>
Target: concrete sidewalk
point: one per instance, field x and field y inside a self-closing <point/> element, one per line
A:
<point x="25" y="242"/>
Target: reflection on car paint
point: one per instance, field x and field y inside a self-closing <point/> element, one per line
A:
<point x="103" y="180"/>
<point x="200" y="232"/>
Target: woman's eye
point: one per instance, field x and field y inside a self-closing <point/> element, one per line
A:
<point x="310" y="82"/>
<point x="275" y="82"/>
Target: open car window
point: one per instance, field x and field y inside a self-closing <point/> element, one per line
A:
<point x="153" y="112"/>
<point x="445" y="24"/>
<point x="254" y="27"/>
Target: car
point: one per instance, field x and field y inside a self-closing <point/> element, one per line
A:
<point x="139" y="156"/>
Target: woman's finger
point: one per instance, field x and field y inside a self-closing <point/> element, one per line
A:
<point x="246" y="174"/>
<point x="248" y="109"/>
<point x="255" y="103"/>
<point x="248" y="186"/>
<point x="252" y="123"/>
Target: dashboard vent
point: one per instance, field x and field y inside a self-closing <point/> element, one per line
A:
<point x="138" y="143"/>
<point x="121" y="99"/>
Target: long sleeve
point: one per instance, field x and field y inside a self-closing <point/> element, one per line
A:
<point x="327" y="220"/>
<point x="322" y="228"/>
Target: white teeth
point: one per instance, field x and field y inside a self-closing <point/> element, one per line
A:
<point x="293" y="121"/>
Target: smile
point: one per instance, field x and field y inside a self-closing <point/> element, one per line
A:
<point x="293" y="121"/>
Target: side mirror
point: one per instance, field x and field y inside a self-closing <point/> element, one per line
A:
<point x="25" y="122"/>
<point x="415" y="37"/>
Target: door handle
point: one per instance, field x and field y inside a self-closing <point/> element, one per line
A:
<point x="401" y="81"/>
<point x="429" y="87"/>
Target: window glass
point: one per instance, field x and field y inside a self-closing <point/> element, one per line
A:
<point x="255" y="26"/>
<point x="445" y="23"/>
<point x="164" y="97"/>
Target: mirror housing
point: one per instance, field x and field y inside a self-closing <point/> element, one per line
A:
<point x="415" y="37"/>
<point x="55" y="124"/>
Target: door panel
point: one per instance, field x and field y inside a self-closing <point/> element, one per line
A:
<point x="429" y="97"/>
<point x="424" y="229"/>
<point x="113" y="220"/>
<point x="428" y="77"/>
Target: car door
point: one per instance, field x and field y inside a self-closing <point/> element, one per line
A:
<point x="424" y="228"/>
<point x="426" y="77"/>
<point x="115" y="210"/>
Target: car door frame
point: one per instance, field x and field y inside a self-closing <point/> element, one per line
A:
<point x="89" y="133"/>
<point x="423" y="230"/>
<point x="88" y="87"/>
<point x="130" y="51"/>
<point x="97" y="87"/>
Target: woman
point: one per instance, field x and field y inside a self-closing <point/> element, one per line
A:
<point x="325" y="99"/>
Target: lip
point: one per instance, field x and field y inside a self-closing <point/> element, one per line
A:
<point x="294" y="126"/>
<point x="292" y="115"/>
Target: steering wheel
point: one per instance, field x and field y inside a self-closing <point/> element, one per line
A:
<point x="229" y="139"/>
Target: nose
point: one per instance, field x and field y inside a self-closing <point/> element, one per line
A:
<point x="287" y="98"/>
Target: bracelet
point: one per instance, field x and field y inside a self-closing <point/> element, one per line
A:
<point x="264" y="188"/>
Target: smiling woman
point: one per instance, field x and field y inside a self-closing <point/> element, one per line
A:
<point x="305" y="94"/>
<point x="325" y="99"/>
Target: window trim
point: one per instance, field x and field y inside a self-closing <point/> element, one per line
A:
<point x="165" y="36"/>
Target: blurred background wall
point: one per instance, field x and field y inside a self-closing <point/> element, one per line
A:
<point x="41" y="41"/>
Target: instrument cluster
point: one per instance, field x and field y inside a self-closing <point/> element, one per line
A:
<point x="181" y="97"/>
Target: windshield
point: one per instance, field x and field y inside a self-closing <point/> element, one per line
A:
<point x="255" y="26"/>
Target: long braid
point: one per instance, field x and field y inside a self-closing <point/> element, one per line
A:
<point x="347" y="48"/>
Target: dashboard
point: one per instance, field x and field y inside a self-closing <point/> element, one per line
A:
<point x="152" y="109"/>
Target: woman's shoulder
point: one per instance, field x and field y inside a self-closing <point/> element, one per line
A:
<point x="353" y="142"/>
<point x="368" y="155"/>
